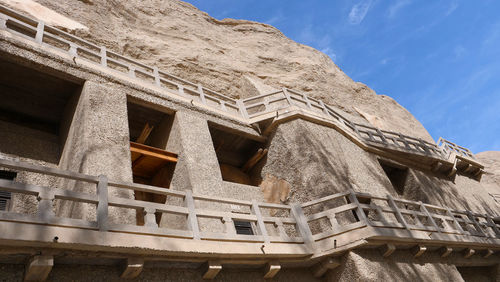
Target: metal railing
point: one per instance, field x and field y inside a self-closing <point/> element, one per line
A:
<point x="244" y="108"/>
<point x="306" y="223"/>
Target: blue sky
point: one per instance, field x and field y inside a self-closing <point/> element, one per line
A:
<point x="439" y="59"/>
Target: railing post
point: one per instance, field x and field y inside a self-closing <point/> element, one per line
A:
<point x="39" y="32"/>
<point x="493" y="224"/>
<point x="282" y="232"/>
<point x="102" y="206"/>
<point x="150" y="218"/>
<point x="308" y="103"/>
<point x="202" y="95"/>
<point x="382" y="136"/>
<point x="287" y="96"/>
<point x="45" y="210"/>
<point x="260" y="221"/>
<point x="131" y="71"/>
<point x="398" y="214"/>
<point x="223" y="106"/>
<point x="156" y="74"/>
<point x="104" y="57"/>
<point x="72" y="50"/>
<point x="3" y="22"/>
<point x="475" y="223"/>
<point x="181" y="90"/>
<point x="302" y="224"/>
<point x="229" y="224"/>
<point x="192" y="218"/>
<point x="332" y="217"/>
<point x="242" y="108"/>
<point x="359" y="211"/>
<point x="433" y="222"/>
<point x="323" y="107"/>
<point x="455" y="221"/>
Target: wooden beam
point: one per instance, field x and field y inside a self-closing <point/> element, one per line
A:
<point x="211" y="269"/>
<point x="38" y="268"/>
<point x="153" y="152"/>
<point x="132" y="268"/>
<point x="446" y="251"/>
<point x="388" y="249"/>
<point x="254" y="160"/>
<point x="418" y="251"/>
<point x="146" y="130"/>
<point x="322" y="267"/>
<point x="437" y="165"/>
<point x="487" y="253"/>
<point x="469" y="252"/>
<point x="272" y="268"/>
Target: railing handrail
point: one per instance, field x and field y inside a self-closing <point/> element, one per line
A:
<point x="451" y="221"/>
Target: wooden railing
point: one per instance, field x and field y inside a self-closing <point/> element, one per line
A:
<point x="306" y="223"/>
<point x="246" y="109"/>
<point x="449" y="147"/>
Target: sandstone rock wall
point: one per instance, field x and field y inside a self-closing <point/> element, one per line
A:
<point x="236" y="57"/>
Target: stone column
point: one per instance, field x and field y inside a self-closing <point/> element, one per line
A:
<point x="197" y="168"/>
<point x="98" y="143"/>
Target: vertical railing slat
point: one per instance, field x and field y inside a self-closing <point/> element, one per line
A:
<point x="302" y="224"/>
<point x="102" y="205"/>
<point x="39" y="32"/>
<point x="192" y="218"/>
<point x="260" y="221"/>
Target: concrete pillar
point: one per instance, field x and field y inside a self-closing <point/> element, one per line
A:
<point x="197" y="168"/>
<point x="98" y="143"/>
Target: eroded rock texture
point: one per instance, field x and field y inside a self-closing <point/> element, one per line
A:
<point x="235" y="57"/>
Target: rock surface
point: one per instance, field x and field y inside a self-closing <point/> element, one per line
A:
<point x="491" y="177"/>
<point x="235" y="57"/>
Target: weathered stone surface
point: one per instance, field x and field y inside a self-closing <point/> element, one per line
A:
<point x="236" y="57"/>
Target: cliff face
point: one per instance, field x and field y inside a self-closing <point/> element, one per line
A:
<point x="491" y="176"/>
<point x="235" y="57"/>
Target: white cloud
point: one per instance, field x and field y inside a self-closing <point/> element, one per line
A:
<point x="275" y="19"/>
<point x="394" y="9"/>
<point x="452" y="8"/>
<point x="329" y="51"/>
<point x="359" y="11"/>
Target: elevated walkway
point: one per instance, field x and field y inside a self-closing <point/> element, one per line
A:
<point x="266" y="111"/>
<point x="301" y="234"/>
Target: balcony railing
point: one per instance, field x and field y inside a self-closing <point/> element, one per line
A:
<point x="304" y="224"/>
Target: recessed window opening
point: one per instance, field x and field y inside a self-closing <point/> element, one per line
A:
<point x="36" y="111"/>
<point x="239" y="157"/>
<point x="243" y="227"/>
<point x="5" y="196"/>
<point x="397" y="174"/>
<point x="149" y="131"/>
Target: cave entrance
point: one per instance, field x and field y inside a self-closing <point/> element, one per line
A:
<point x="240" y="158"/>
<point x="397" y="175"/>
<point x="149" y="131"/>
<point x="36" y="111"/>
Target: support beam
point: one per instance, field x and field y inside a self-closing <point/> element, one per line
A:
<point x="272" y="268"/>
<point x="446" y="251"/>
<point x="488" y="253"/>
<point x="418" y="251"/>
<point x="38" y="268"/>
<point x="469" y="252"/>
<point x="321" y="268"/>
<point x="132" y="268"/>
<point x="211" y="269"/>
<point x="388" y="249"/>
